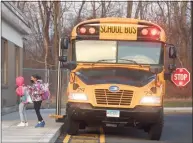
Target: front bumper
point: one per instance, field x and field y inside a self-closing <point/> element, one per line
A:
<point x="91" y="115"/>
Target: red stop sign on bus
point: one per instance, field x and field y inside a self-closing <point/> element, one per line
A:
<point x="180" y="77"/>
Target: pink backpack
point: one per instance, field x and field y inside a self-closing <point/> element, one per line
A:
<point x="46" y="93"/>
<point x="20" y="84"/>
<point x="20" y="91"/>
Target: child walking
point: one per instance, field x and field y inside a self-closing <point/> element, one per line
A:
<point x="36" y="93"/>
<point x="20" y="91"/>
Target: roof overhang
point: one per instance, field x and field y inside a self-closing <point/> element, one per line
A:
<point x="13" y="16"/>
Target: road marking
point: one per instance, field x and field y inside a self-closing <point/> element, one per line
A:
<point x="102" y="135"/>
<point x="83" y="141"/>
<point x="67" y="138"/>
<point x="86" y="138"/>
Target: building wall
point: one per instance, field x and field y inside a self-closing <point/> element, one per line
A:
<point x="9" y="33"/>
<point x="9" y="99"/>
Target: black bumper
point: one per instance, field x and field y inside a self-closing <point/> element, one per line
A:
<point x="89" y="114"/>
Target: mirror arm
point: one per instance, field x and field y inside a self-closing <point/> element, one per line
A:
<point x="170" y="80"/>
<point x="169" y="75"/>
<point x="174" y="64"/>
<point x="156" y="78"/>
<point x="73" y="79"/>
<point x="62" y="52"/>
<point x="61" y="64"/>
<point x="173" y="61"/>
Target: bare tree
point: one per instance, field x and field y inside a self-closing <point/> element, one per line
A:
<point x="95" y="7"/>
<point x="105" y="6"/>
<point x="56" y="30"/>
<point x="45" y="12"/>
<point x="78" y="19"/>
<point x="129" y="8"/>
<point x="93" y="4"/>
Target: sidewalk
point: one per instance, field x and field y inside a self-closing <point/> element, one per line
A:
<point x="12" y="133"/>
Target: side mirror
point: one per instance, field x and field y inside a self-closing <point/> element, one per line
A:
<point x="64" y="43"/>
<point x="156" y="69"/>
<point x="171" y="67"/>
<point x="63" y="58"/>
<point x="69" y="65"/>
<point x="172" y="52"/>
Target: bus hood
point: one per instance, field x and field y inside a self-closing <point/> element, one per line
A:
<point x="115" y="75"/>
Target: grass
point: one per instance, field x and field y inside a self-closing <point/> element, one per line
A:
<point x="178" y="103"/>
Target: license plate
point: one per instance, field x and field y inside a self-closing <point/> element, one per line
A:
<point x="113" y="113"/>
<point x="111" y="125"/>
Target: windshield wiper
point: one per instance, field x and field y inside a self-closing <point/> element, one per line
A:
<point x="104" y="60"/>
<point x="131" y="61"/>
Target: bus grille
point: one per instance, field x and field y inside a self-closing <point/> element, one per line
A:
<point x="105" y="97"/>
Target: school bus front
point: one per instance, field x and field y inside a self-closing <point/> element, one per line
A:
<point x="117" y="77"/>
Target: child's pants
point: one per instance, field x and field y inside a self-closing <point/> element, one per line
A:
<point x="37" y="105"/>
<point x="22" y="112"/>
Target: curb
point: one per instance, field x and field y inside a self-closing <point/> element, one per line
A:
<point x="178" y="110"/>
<point x="52" y="135"/>
<point x="56" y="135"/>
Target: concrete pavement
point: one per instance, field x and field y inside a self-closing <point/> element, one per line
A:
<point x="12" y="133"/>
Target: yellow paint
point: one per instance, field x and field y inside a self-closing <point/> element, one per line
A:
<point x="66" y="139"/>
<point x="56" y="116"/>
<point x="82" y="138"/>
<point x="102" y="135"/>
<point x="87" y="136"/>
<point x="83" y="141"/>
<point x="117" y="32"/>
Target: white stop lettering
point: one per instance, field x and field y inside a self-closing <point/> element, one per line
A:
<point x="180" y="76"/>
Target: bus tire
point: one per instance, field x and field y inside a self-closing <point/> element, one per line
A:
<point x="155" y="130"/>
<point x="73" y="127"/>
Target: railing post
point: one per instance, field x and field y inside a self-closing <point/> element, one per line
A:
<point x="58" y="96"/>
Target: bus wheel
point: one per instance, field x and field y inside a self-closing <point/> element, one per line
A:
<point x="73" y="127"/>
<point x="155" y="130"/>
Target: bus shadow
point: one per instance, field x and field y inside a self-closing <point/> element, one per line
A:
<point x="131" y="133"/>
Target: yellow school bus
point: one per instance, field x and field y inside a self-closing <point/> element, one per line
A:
<point x="117" y="74"/>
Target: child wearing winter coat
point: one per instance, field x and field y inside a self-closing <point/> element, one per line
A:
<point x="37" y="91"/>
<point x="20" y="91"/>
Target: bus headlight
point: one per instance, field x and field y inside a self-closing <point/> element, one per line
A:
<point x="150" y="100"/>
<point x="78" y="96"/>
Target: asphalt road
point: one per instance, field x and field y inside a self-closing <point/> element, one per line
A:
<point x="177" y="129"/>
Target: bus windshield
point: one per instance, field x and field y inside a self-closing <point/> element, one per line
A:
<point x="130" y="52"/>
